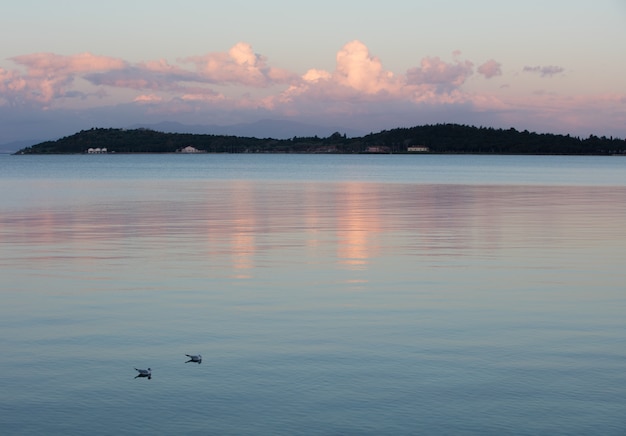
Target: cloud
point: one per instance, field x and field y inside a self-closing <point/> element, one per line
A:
<point x="358" y="70"/>
<point x="240" y="85"/>
<point x="202" y="94"/>
<point x="12" y="86"/>
<point x="147" y="98"/>
<point x="47" y="64"/>
<point x="444" y="76"/>
<point x="360" y="75"/>
<point x="490" y="69"/>
<point x="358" y="78"/>
<point x="547" y="71"/>
<point x="239" y="66"/>
<point x="143" y="77"/>
<point x="313" y="75"/>
<point x="360" y="86"/>
<point x="49" y="76"/>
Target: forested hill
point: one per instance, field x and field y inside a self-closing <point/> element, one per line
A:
<point x="439" y="138"/>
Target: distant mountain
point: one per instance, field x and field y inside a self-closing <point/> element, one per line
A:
<point x="276" y="129"/>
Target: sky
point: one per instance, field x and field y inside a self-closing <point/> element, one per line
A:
<point x="555" y="66"/>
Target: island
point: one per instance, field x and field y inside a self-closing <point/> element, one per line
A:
<point x="434" y="139"/>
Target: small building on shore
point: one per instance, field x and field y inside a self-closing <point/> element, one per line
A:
<point x="97" y="150"/>
<point x="189" y="149"/>
<point x="377" y="149"/>
<point x="418" y="149"/>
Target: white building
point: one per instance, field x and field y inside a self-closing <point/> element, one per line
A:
<point x="189" y="149"/>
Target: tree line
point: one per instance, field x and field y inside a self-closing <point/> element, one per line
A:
<point x="436" y="138"/>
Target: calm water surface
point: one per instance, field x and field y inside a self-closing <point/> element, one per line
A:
<point x="327" y="294"/>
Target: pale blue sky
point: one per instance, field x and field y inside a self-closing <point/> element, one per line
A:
<point x="561" y="59"/>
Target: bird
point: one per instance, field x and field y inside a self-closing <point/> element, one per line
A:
<point x="194" y="358"/>
<point x="144" y="373"/>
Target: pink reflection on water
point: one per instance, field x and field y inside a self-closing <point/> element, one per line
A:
<point x="239" y="227"/>
<point x="358" y="224"/>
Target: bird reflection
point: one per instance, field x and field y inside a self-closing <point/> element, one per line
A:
<point x="196" y="358"/>
<point x="144" y="373"/>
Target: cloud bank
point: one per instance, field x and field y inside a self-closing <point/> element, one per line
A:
<point x="241" y="85"/>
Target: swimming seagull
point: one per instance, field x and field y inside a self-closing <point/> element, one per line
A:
<point x="194" y="358"/>
<point x="144" y="373"/>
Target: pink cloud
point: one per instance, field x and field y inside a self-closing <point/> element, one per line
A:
<point x="358" y="70"/>
<point x="313" y="75"/>
<point x="46" y="64"/>
<point x="147" y="98"/>
<point x="200" y="94"/>
<point x="360" y="85"/>
<point x="156" y="75"/>
<point x="443" y="75"/>
<point x="239" y="66"/>
<point x="360" y="82"/>
<point x="141" y="77"/>
<point x="159" y="66"/>
<point x="240" y="80"/>
<point x="22" y="89"/>
<point x="12" y="86"/>
<point x="49" y="76"/>
<point x="358" y="76"/>
<point x="490" y="69"/>
<point x="11" y="81"/>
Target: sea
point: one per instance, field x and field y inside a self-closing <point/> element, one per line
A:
<point x="326" y="294"/>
